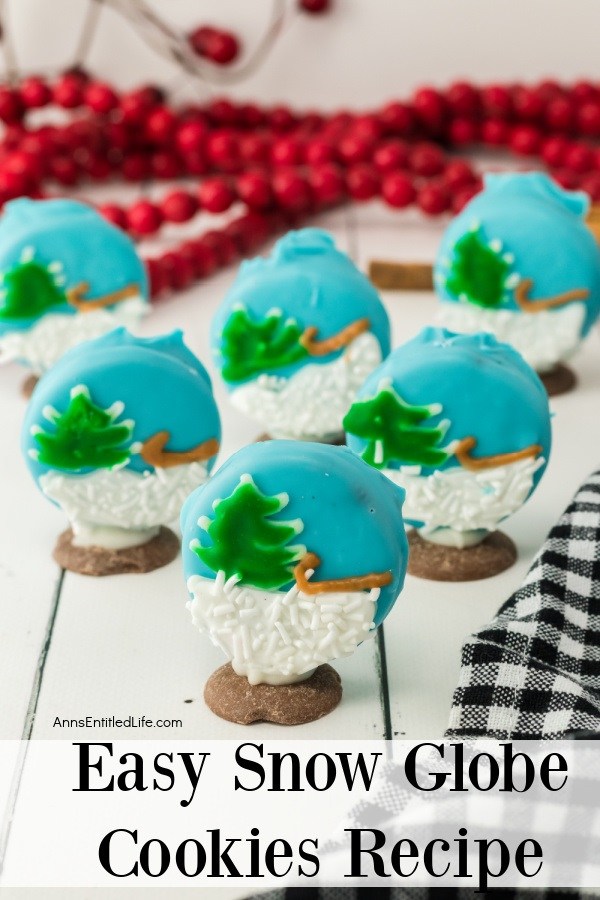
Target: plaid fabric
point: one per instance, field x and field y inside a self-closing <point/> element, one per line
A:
<point x="534" y="671"/>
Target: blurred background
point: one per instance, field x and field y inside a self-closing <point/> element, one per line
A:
<point x="357" y="54"/>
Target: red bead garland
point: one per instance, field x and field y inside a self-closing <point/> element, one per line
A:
<point x="281" y="164"/>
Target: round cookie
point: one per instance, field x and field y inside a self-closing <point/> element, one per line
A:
<point x="519" y="261"/>
<point x="66" y="276"/>
<point x="118" y="433"/>
<point x="462" y="423"/>
<point x="293" y="553"/>
<point x="297" y="335"/>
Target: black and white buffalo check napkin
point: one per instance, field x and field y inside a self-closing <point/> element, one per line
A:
<point x="533" y="673"/>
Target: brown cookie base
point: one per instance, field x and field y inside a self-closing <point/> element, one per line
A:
<point x="28" y="385"/>
<point x="232" y="697"/>
<point x="560" y="380"/>
<point x="97" y="561"/>
<point x="493" y="555"/>
<point x="339" y="441"/>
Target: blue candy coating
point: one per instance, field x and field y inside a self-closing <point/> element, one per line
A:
<point x="162" y="384"/>
<point x="313" y="282"/>
<point x="88" y="247"/>
<point x="542" y="226"/>
<point x="352" y="514"/>
<point x="485" y="388"/>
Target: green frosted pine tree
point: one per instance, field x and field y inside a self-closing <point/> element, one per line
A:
<point x="395" y="432"/>
<point x="29" y="290"/>
<point x="84" y="436"/>
<point x="479" y="272"/>
<point x="249" y="347"/>
<point x="247" y="541"/>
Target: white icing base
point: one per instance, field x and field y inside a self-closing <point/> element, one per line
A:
<point x="311" y="404"/>
<point x="462" y="500"/>
<point x="544" y="338"/>
<point x="277" y="638"/>
<point x="50" y="337"/>
<point x="117" y="508"/>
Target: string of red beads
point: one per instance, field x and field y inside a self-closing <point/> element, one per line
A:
<point x="280" y="165"/>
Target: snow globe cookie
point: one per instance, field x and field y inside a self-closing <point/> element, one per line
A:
<point x="294" y="553"/>
<point x="66" y="276"/>
<point x="297" y="335"/>
<point x="118" y="433"/>
<point x="462" y="423"/>
<point x="519" y="261"/>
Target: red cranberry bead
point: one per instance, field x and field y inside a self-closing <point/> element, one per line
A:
<point x="391" y="155"/>
<point x="462" y="197"/>
<point x="431" y="108"/>
<point x="157" y="276"/>
<point x="35" y="93"/>
<point x="591" y="185"/>
<point x="165" y="165"/>
<point x="179" y="206"/>
<point x="254" y="189"/>
<point x="64" y="170"/>
<point x="114" y="214"/>
<point x="195" y="164"/>
<point x="353" y="149"/>
<point x="315" y="6"/>
<point x="207" y="258"/>
<point x="222" y="111"/>
<point x="254" y="149"/>
<point x="588" y="118"/>
<point x="495" y="132"/>
<point x="220" y="47"/>
<point x="525" y="140"/>
<point x="579" y="158"/>
<point x="286" y="151"/>
<point x="160" y="125"/>
<point x="13" y="184"/>
<point x="251" y="115"/>
<point x="463" y="131"/>
<point x="68" y="92"/>
<point x="560" y="114"/>
<point x="136" y="104"/>
<point x="318" y="151"/>
<point x="100" y="98"/>
<point x="463" y="99"/>
<point x="566" y="179"/>
<point x="135" y="167"/>
<point x="527" y="104"/>
<point x="215" y="195"/>
<point x="553" y="151"/>
<point x="497" y="101"/>
<point x="458" y="174"/>
<point x="223" y="245"/>
<point x="11" y="107"/>
<point x="222" y="150"/>
<point x="398" y="190"/>
<point x="144" y="218"/>
<point x="96" y="166"/>
<point x="583" y="91"/>
<point x="396" y="118"/>
<point x="367" y="127"/>
<point x="363" y="182"/>
<point x="328" y="184"/>
<point x="426" y="159"/>
<point x="181" y="271"/>
<point x="292" y="190"/>
<point x="281" y="118"/>
<point x="548" y="90"/>
<point x="433" y="199"/>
